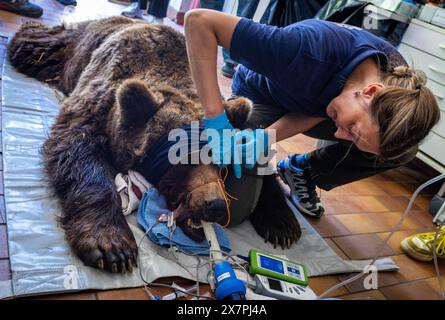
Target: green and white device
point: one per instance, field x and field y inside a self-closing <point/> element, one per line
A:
<point x="278" y="268"/>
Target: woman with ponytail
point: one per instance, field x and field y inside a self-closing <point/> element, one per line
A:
<point x="326" y="80"/>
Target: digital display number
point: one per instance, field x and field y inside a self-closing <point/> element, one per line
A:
<point x="271" y="264"/>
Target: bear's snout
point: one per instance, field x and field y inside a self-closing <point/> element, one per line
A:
<point x="215" y="211"/>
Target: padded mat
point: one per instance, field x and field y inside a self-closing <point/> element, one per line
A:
<point x="41" y="260"/>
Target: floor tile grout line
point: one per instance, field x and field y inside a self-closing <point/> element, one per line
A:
<point x="351" y="293"/>
<point x="340" y="248"/>
<point x="374" y="232"/>
<point x="400" y="282"/>
<point x="410" y="282"/>
<point x="55" y="10"/>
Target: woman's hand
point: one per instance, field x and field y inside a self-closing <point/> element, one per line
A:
<point x="230" y="146"/>
<point x="219" y="133"/>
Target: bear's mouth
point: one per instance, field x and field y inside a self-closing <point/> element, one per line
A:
<point x="189" y="219"/>
<point x="193" y="229"/>
<point x="190" y="223"/>
<point x="193" y="225"/>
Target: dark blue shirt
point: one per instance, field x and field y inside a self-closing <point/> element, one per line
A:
<point x="303" y="66"/>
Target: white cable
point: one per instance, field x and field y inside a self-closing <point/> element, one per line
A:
<point x="161" y="284"/>
<point x="408" y="208"/>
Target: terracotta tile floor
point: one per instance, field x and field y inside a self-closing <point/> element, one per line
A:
<point x="358" y="215"/>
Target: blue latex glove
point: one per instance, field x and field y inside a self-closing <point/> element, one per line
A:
<point x="220" y="134"/>
<point x="219" y="122"/>
<point x="239" y="148"/>
<point x="249" y="146"/>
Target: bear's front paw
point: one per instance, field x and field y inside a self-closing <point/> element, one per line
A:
<point x="106" y="246"/>
<point x="272" y="217"/>
<point x="279" y="228"/>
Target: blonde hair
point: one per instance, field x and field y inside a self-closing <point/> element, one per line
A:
<point x="405" y="110"/>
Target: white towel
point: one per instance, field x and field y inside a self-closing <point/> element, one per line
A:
<point x="131" y="188"/>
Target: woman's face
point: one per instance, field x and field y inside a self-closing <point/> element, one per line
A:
<point x="351" y="114"/>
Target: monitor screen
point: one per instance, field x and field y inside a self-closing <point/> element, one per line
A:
<point x="275" y="284"/>
<point x="271" y="264"/>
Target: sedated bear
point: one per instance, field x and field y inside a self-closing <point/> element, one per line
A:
<point x="128" y="84"/>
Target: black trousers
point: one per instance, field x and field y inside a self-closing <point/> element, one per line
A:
<point x="156" y="8"/>
<point x="334" y="165"/>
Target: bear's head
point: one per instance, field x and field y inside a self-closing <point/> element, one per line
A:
<point x="195" y="193"/>
<point x="144" y="115"/>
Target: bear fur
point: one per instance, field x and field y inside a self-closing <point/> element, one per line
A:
<point x="127" y="83"/>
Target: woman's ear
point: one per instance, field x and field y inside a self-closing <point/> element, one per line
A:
<point x="372" y="89"/>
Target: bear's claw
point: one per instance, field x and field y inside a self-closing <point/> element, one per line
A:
<point x="112" y="249"/>
<point x="272" y="218"/>
<point x="283" y="235"/>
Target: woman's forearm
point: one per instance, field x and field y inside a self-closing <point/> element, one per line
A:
<point x="293" y="123"/>
<point x="204" y="31"/>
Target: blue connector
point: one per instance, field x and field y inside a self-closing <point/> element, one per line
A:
<point x="228" y="286"/>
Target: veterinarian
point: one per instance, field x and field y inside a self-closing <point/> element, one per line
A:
<point x="329" y="81"/>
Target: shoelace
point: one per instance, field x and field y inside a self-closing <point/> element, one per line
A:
<point x="428" y="238"/>
<point x="304" y="188"/>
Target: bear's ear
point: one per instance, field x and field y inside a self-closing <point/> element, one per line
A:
<point x="136" y="102"/>
<point x="238" y="111"/>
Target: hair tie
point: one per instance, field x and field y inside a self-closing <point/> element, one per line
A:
<point x="418" y="86"/>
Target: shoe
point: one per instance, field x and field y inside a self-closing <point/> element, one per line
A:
<point x="228" y="70"/>
<point x="68" y="2"/>
<point x="133" y="11"/>
<point x="22" y="7"/>
<point x="298" y="178"/>
<point x="155" y="20"/>
<point x="420" y="246"/>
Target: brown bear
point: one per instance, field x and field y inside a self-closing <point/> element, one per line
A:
<point x="128" y="84"/>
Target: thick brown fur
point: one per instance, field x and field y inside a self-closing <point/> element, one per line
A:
<point x="128" y="83"/>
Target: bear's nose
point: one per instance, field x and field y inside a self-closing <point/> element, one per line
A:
<point x="215" y="211"/>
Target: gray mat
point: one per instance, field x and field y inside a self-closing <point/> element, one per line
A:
<point x="41" y="260"/>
